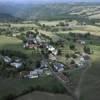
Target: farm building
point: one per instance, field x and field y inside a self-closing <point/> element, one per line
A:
<point x="59" y="67"/>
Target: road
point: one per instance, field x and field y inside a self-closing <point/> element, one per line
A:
<point x="75" y="95"/>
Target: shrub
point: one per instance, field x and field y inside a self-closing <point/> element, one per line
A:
<point x="87" y="49"/>
<point x="72" y="46"/>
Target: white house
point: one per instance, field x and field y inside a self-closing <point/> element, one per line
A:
<point x="36" y="71"/>
<point x="82" y="42"/>
<point x="50" y="48"/>
<point x="31" y="76"/>
<point x="7" y="59"/>
<point x="16" y="64"/>
<point x="55" y="52"/>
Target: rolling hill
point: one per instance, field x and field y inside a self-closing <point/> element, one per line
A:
<point x="51" y="11"/>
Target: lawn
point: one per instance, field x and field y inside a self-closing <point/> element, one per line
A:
<point x="17" y="86"/>
<point x="51" y="23"/>
<point x="90" y="88"/>
<point x="94" y="30"/>
<point x="23" y="25"/>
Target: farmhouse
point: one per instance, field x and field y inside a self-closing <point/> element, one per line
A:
<point x="16" y="64"/>
<point x="83" y="60"/>
<point x="59" y="67"/>
<point x="35" y="73"/>
<point x="82" y="42"/>
<point x="32" y="41"/>
<point x="30" y="76"/>
<point x="7" y="59"/>
<point x="52" y="49"/>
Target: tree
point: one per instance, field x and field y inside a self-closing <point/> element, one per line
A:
<point x="21" y="29"/>
<point x="67" y="56"/>
<point x="38" y="64"/>
<point x="9" y="97"/>
<point x="72" y="47"/>
<point x="61" y="23"/>
<point x="87" y="49"/>
<point x="59" y="52"/>
<point x="72" y="62"/>
<point x="87" y="35"/>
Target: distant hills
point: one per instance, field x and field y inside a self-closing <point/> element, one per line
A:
<point x="49" y="11"/>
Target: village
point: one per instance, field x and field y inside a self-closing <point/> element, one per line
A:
<point x="50" y="55"/>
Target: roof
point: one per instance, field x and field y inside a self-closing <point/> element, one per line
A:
<point x="55" y="52"/>
<point x="36" y="71"/>
<point x="15" y="64"/>
<point x="59" y="67"/>
<point x="7" y="59"/>
<point x="50" y="47"/>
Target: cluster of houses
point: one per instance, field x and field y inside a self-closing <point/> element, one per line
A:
<point x="45" y="70"/>
<point x="16" y="63"/>
<point x="33" y="41"/>
<point x="83" y="60"/>
<point x="36" y="42"/>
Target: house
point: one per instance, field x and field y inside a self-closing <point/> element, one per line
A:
<point x="31" y="76"/>
<point x="55" y="52"/>
<point x="32" y="41"/>
<point x="38" y="39"/>
<point x="14" y="35"/>
<point x="18" y="60"/>
<point x="44" y="64"/>
<point x="36" y="71"/>
<point x="16" y="64"/>
<point x="79" y="64"/>
<point x="7" y="59"/>
<point x="83" y="60"/>
<point x="85" y="56"/>
<point x="52" y="57"/>
<point x="52" y="49"/>
<point x="59" y="67"/>
<point x="82" y="42"/>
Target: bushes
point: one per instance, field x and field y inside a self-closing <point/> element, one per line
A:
<point x="9" y="97"/>
<point x="72" y="47"/>
<point x="12" y="53"/>
<point x="87" y="49"/>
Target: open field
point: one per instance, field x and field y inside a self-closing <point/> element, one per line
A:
<point x="94" y="30"/>
<point x="51" y="23"/>
<point x="44" y="96"/>
<point x="90" y="87"/>
<point x="23" y="25"/>
<point x="17" y="86"/>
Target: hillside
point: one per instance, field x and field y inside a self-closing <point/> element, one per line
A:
<point x="52" y="11"/>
